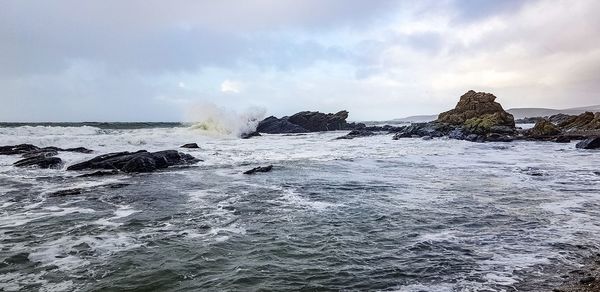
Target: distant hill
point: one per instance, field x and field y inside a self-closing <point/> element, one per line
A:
<point x="519" y="113"/>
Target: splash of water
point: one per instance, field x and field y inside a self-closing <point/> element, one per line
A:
<point x="215" y="120"/>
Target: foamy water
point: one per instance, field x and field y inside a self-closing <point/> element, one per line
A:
<point x="363" y="214"/>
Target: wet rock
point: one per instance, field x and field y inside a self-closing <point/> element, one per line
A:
<point x="17" y="149"/>
<point x="590" y="143"/>
<point x="40" y="152"/>
<point x="587" y="280"/>
<point x="190" y="146"/>
<point x="19" y="258"/>
<point x="495" y="137"/>
<point x="259" y="169"/>
<point x="544" y="128"/>
<point x="100" y="173"/>
<point x="140" y="161"/>
<point x="562" y="139"/>
<point x="68" y="192"/>
<point x="273" y="125"/>
<point x="356" y="134"/>
<point x="41" y="161"/>
<point x="584" y="122"/>
<point x="250" y="135"/>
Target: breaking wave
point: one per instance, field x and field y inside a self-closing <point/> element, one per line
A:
<point x="215" y="120"/>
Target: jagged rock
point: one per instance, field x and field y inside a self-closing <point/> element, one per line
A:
<point x="41" y="161"/>
<point x="357" y="133"/>
<point x="17" y="149"/>
<point x="259" y="169"/>
<point x="583" y="122"/>
<point x="250" y="135"/>
<point x="590" y="143"/>
<point x="273" y="125"/>
<point x="318" y="122"/>
<point x="532" y="120"/>
<point x="140" y="161"/>
<point x="559" y="118"/>
<point x="478" y="113"/>
<point x="544" y="128"/>
<point x="190" y="145"/>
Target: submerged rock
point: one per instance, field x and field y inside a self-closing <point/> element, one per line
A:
<point x="259" y="169"/>
<point x="140" y="161"/>
<point x="590" y="143"/>
<point x="250" y="135"/>
<point x="67" y="192"/>
<point x="17" y="149"/>
<point x="357" y="133"/>
<point x="100" y="173"/>
<point x="190" y="145"/>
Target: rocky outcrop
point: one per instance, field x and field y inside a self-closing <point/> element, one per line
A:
<point x="587" y="121"/>
<point x="259" y="169"/>
<point x="478" y="112"/>
<point x="304" y="122"/>
<point x="544" y="128"/>
<point x="273" y="125"/>
<point x="590" y="143"/>
<point x="356" y="134"/>
<point x="133" y="162"/>
<point x="33" y="150"/>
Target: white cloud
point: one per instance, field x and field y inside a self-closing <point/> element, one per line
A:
<point x="229" y="86"/>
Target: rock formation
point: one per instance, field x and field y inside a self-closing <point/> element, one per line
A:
<point x="132" y="162"/>
<point x="590" y="143"/>
<point x="259" y="169"/>
<point x="544" y="128"/>
<point x="304" y="122"/>
<point x="356" y="133"/>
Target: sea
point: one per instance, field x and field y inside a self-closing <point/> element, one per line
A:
<point x="367" y="214"/>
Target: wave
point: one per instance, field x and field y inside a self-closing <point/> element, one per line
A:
<point x="212" y="119"/>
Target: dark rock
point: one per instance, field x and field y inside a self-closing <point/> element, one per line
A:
<point x="259" y="169"/>
<point x="100" y="173"/>
<point x="68" y="192"/>
<point x="273" y="125"/>
<point x="40" y="152"/>
<point x="41" y="161"/>
<point x="17" y="149"/>
<point x="19" y="258"/>
<point x="562" y="139"/>
<point x="532" y="120"/>
<point x="190" y="145"/>
<point x="250" y="135"/>
<point x="318" y="122"/>
<point x="590" y="143"/>
<point x="478" y="112"/>
<point x="140" y="161"/>
<point x="427" y="138"/>
<point x="544" y="128"/>
<point x="77" y="149"/>
<point x="495" y="137"/>
<point x="587" y="280"/>
<point x="357" y="133"/>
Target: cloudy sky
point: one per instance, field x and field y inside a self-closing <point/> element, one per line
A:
<point x="114" y="60"/>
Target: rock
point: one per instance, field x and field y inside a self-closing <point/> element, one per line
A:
<point x="259" y="169"/>
<point x="40" y="152"/>
<point x="318" y="122"/>
<point x="559" y="118"/>
<point x="562" y="139"/>
<point x="427" y="138"/>
<point x="590" y="143"/>
<point x="273" y="125"/>
<point x="190" y="145"/>
<point x="584" y="122"/>
<point x="478" y="113"/>
<point x="140" y="161"/>
<point x="41" y="161"/>
<point x="495" y="137"/>
<point x="544" y="128"/>
<point x="100" y="173"/>
<point x="587" y="280"/>
<point x="531" y="120"/>
<point x="17" y="149"/>
<point x="357" y="133"/>
<point x="68" y="192"/>
<point x="250" y="135"/>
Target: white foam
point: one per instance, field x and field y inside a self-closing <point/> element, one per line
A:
<point x="120" y="212"/>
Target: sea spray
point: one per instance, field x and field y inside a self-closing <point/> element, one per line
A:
<point x="219" y="121"/>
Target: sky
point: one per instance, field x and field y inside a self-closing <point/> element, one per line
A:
<point x="149" y="60"/>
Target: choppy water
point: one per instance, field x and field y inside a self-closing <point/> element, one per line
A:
<point x="362" y="214"/>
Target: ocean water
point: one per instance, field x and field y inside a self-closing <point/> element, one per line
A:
<point x="364" y="214"/>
